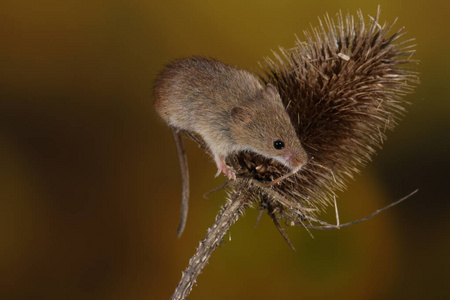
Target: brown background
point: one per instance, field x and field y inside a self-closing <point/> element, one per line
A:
<point x="89" y="179"/>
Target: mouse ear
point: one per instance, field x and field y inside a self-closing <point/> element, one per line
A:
<point x="241" y="114"/>
<point x="271" y="89"/>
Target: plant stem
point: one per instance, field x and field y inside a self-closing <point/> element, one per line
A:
<point x="229" y="214"/>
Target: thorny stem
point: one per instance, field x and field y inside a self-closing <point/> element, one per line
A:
<point x="326" y="226"/>
<point x="223" y="186"/>
<point x="228" y="216"/>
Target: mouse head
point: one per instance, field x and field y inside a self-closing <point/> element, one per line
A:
<point x="262" y="125"/>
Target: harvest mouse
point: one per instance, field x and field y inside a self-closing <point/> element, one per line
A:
<point x="230" y="109"/>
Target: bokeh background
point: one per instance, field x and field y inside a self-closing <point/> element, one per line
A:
<point x="89" y="177"/>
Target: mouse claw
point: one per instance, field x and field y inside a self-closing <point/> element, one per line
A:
<point x="223" y="168"/>
<point x="229" y="173"/>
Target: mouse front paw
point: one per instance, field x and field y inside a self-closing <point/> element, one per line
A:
<point x="228" y="172"/>
<point x="223" y="168"/>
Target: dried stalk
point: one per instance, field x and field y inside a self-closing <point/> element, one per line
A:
<point x="228" y="216"/>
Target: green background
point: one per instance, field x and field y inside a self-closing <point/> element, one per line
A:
<point x="89" y="177"/>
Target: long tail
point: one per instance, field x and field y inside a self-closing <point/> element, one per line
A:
<point x="184" y="180"/>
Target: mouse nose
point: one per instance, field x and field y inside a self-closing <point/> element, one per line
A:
<point x="296" y="160"/>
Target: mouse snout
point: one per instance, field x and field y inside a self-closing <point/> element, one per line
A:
<point x="296" y="160"/>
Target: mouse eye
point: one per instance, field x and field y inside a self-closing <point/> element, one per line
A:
<point x="278" y="144"/>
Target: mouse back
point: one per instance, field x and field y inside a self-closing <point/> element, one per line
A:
<point x="197" y="92"/>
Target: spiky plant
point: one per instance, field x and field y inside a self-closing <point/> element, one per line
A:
<point x="343" y="89"/>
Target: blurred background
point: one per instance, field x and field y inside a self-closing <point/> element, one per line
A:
<point x="89" y="177"/>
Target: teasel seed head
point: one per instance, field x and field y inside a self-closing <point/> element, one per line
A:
<point x="343" y="88"/>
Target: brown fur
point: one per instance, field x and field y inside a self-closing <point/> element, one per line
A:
<point x="228" y="107"/>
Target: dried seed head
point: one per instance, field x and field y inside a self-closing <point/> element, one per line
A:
<point x="343" y="89"/>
